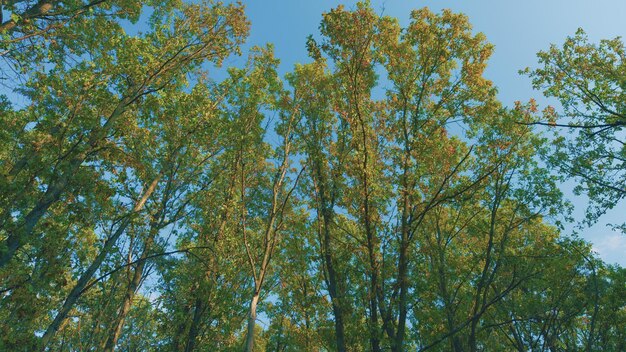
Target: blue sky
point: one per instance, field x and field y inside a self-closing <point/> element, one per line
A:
<point x="518" y="29"/>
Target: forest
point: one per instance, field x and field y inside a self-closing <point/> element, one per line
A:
<point x="377" y="197"/>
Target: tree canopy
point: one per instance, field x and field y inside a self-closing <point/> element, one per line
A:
<point x="588" y="81"/>
<point x="377" y="197"/>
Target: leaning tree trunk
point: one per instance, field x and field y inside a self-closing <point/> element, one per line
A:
<point x="77" y="291"/>
<point x="58" y="186"/>
<point x="129" y="295"/>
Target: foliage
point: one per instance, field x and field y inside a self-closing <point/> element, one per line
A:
<point x="378" y="198"/>
<point x="588" y="81"/>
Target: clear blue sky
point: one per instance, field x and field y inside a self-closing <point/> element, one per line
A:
<point x="518" y="29"/>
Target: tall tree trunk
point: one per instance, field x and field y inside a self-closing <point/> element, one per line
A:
<point x="374" y="336"/>
<point x="336" y="297"/>
<point x="486" y="276"/>
<point x="58" y="185"/>
<point x="403" y="280"/>
<point x="274" y="222"/>
<point x="372" y="250"/>
<point x="177" y="342"/>
<point x="199" y="307"/>
<point x="23" y="233"/>
<point x="91" y="270"/>
<point x="325" y="203"/>
<point x="201" y="304"/>
<point x="455" y="341"/>
<point x="334" y="291"/>
<point x="398" y="344"/>
<point x="366" y="167"/>
<point x="131" y="289"/>
<point x="249" y="347"/>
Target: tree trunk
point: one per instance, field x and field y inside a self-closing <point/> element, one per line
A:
<point x="195" y="325"/>
<point x="249" y="347"/>
<point x="398" y="344"/>
<point x="336" y="296"/>
<point x="23" y="233"/>
<point x="177" y="342"/>
<point x="91" y="270"/>
<point x="373" y="262"/>
<point x="374" y="338"/>
<point x="336" y="302"/>
<point x="403" y="280"/>
<point x="130" y="293"/>
<point x="325" y="211"/>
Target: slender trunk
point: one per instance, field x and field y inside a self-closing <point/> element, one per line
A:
<point x="403" y="299"/>
<point x="374" y="338"/>
<point x="485" y="280"/>
<point x="102" y="337"/>
<point x="119" y="321"/>
<point x="270" y="238"/>
<point x="195" y="325"/>
<point x="202" y="303"/>
<point x="325" y="212"/>
<point x="249" y="347"/>
<point x="455" y="342"/>
<point x="91" y="270"/>
<point x="519" y="343"/>
<point x="336" y="297"/>
<point x="177" y="342"/>
<point x="372" y="250"/>
<point x="366" y="216"/>
<point x="58" y="185"/>
<point x="23" y="233"/>
<point x="403" y="281"/>
<point x="307" y="324"/>
<point x="130" y="294"/>
<point x="80" y="285"/>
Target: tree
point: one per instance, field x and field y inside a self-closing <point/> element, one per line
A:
<point x="474" y="246"/>
<point x="393" y="141"/>
<point x="267" y="209"/>
<point x="158" y="61"/>
<point x="589" y="82"/>
<point x="72" y="138"/>
<point x="324" y="144"/>
<point x="377" y="198"/>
